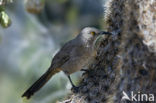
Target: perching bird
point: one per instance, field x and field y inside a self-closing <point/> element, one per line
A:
<point x="72" y="57"/>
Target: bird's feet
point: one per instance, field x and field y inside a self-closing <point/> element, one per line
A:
<point x="75" y="89"/>
<point x="85" y="70"/>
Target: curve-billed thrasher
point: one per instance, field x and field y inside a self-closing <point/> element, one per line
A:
<point x="73" y="56"/>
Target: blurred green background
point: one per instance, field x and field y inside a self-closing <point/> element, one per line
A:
<point x="37" y="32"/>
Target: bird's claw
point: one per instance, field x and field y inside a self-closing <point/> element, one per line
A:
<point x="75" y="89"/>
<point x="85" y="70"/>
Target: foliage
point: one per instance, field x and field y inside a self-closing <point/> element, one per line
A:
<point x="5" y="21"/>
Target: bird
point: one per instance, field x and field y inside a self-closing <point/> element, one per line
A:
<point x="72" y="57"/>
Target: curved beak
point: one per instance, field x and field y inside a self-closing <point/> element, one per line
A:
<point x="104" y="32"/>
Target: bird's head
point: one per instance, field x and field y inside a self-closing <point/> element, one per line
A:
<point x="89" y="34"/>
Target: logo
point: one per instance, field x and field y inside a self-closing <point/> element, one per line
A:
<point x="137" y="96"/>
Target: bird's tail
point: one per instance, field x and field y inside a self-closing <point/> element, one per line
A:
<point x="40" y="82"/>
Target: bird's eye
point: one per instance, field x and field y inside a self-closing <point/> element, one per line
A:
<point x="93" y="33"/>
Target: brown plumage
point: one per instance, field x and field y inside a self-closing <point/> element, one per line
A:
<point x="72" y="57"/>
<point x="40" y="82"/>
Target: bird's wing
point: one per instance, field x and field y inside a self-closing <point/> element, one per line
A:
<point x="63" y="55"/>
